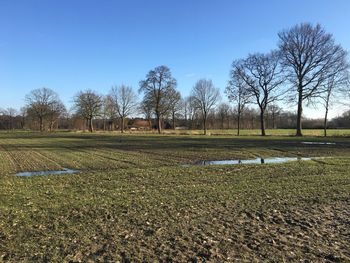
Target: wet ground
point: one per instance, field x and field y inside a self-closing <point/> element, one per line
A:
<point x="64" y="171"/>
<point x="319" y="143"/>
<point x="253" y="161"/>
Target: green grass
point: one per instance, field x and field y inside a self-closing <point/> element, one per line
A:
<point x="134" y="201"/>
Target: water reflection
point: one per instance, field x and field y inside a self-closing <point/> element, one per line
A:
<point x="319" y="143"/>
<point x="64" y="171"/>
<point x="253" y="161"/>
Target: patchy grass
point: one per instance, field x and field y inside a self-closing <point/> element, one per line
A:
<point x="134" y="202"/>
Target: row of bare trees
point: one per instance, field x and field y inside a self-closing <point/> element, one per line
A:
<point x="121" y="102"/>
<point x="223" y="116"/>
<point x="307" y="67"/>
<point x="163" y="99"/>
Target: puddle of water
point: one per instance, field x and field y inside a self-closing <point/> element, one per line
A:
<point x="319" y="143"/>
<point x="64" y="171"/>
<point x="254" y="161"/>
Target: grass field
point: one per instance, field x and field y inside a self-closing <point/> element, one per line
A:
<point x="135" y="201"/>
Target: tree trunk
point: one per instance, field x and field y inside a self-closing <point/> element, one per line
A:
<point x="174" y="120"/>
<point x="51" y="126"/>
<point x="262" y="123"/>
<point x="91" y="127"/>
<point x="299" y="114"/>
<point x="41" y="124"/>
<point x="159" y="122"/>
<point x="22" y="122"/>
<point x="122" y="124"/>
<point x="205" y="124"/>
<point x="267" y="120"/>
<point x="238" y="123"/>
<point x="325" y="123"/>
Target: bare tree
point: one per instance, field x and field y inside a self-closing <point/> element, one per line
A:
<point x="108" y="112"/>
<point x="223" y="113"/>
<point x="237" y="92"/>
<point x="39" y="102"/>
<point x="158" y="86"/>
<point x="190" y="110"/>
<point x="23" y="115"/>
<point x="56" y="110"/>
<point x="333" y="87"/>
<point x="263" y="77"/>
<point x="274" y="110"/>
<point x="205" y="96"/>
<point x="309" y="54"/>
<point x="125" y="102"/>
<point x="88" y="104"/>
<point x="175" y="104"/>
<point x="9" y="114"/>
<point x="147" y="110"/>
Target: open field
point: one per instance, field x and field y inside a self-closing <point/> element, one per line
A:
<point x="135" y="201"/>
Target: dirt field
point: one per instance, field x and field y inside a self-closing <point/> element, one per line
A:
<point x="136" y="201"/>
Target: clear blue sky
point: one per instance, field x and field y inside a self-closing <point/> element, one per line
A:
<point x="71" y="45"/>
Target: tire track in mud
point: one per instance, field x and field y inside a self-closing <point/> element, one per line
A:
<point x="133" y="155"/>
<point x="49" y="159"/>
<point x="100" y="163"/>
<point x="164" y="159"/>
<point x="13" y="158"/>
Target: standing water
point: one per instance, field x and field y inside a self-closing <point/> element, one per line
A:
<point x="253" y="161"/>
<point x="64" y="171"/>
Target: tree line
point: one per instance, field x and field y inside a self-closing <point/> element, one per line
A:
<point x="306" y="68"/>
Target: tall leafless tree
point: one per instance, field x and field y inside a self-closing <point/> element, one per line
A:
<point x="125" y="101"/>
<point x="146" y="109"/>
<point x="237" y="92"/>
<point x="223" y="112"/>
<point x="190" y="110"/>
<point x="333" y="88"/>
<point x="309" y="54"/>
<point x="39" y="102"/>
<point x="158" y="87"/>
<point x="274" y="110"/>
<point x="175" y="104"/>
<point x="88" y="104"/>
<point x="57" y="109"/>
<point x="108" y="112"/>
<point x="205" y="96"/>
<point x="10" y="114"/>
<point x="263" y="77"/>
<point x="23" y="115"/>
